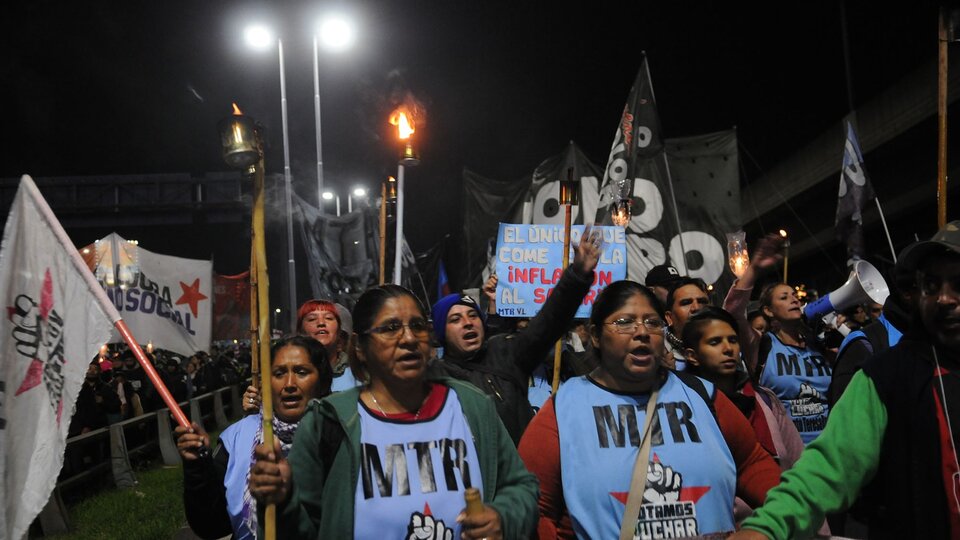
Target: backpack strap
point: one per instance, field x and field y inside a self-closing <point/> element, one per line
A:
<point x="697" y="385"/>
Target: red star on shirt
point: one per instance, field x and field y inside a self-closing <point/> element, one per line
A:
<point x="191" y="295"/>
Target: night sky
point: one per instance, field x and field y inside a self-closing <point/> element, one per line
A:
<point x="138" y="87"/>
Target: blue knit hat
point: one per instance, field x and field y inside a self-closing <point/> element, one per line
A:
<point x="443" y="306"/>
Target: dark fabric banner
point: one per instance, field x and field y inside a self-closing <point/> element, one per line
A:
<point x="343" y="253"/>
<point x="231" y="307"/>
<point x="486" y="203"/>
<point x="698" y="176"/>
<point x="543" y="201"/>
<point x="636" y="169"/>
<point x="855" y="192"/>
<point x="706" y="180"/>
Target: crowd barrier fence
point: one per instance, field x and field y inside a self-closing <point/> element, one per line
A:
<point x="91" y="455"/>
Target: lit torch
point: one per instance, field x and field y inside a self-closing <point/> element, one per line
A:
<point x="737" y="255"/>
<point x="405" y="128"/>
<point x="786" y="254"/>
<point x="238" y="140"/>
<point x="621" y="209"/>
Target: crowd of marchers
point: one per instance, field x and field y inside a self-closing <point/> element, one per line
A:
<point x="116" y="387"/>
<point x="674" y="416"/>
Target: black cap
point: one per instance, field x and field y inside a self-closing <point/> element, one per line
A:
<point x="946" y="239"/>
<point x="662" y="275"/>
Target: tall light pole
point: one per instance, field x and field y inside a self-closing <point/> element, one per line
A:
<point x="260" y="38"/>
<point x="337" y="34"/>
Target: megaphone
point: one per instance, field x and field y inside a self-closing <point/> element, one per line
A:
<point x="865" y="284"/>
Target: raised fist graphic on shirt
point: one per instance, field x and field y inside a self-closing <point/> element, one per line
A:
<point x="424" y="527"/>
<point x="663" y="484"/>
<point x="809" y="392"/>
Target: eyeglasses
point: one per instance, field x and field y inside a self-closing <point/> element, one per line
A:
<point x="393" y="330"/>
<point x="627" y="325"/>
<point x="931" y="285"/>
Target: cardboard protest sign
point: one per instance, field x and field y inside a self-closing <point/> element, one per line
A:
<point x="529" y="260"/>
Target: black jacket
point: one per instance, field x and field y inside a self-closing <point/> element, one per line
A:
<point x="906" y="498"/>
<point x="501" y="367"/>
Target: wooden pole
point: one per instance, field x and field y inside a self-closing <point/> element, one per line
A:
<point x="567" y="208"/>
<point x="254" y="317"/>
<point x="942" y="121"/>
<point x="383" y="233"/>
<point x="263" y="330"/>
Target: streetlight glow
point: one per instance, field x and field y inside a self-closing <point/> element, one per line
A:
<point x="258" y="37"/>
<point x="328" y="195"/>
<point x="337" y="33"/>
<point x="359" y="192"/>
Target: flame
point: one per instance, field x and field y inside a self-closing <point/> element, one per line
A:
<point x="739" y="263"/>
<point x="405" y="126"/>
<point x="236" y="110"/>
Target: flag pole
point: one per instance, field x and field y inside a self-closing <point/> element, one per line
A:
<point x="105" y="304"/>
<point x="666" y="166"/>
<point x="883" y="220"/>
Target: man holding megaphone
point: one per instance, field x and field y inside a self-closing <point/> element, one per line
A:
<point x="891" y="435"/>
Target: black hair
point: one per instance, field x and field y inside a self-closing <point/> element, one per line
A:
<point x="614" y="296"/>
<point x="683" y="282"/>
<point x="365" y="314"/>
<point x="317" y="354"/>
<point x="371" y="301"/>
<point x="693" y="331"/>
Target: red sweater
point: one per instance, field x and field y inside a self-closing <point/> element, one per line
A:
<point x="540" y="450"/>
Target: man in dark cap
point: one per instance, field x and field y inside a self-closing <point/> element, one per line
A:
<point x="890" y="437"/>
<point x="501" y="365"/>
<point x="660" y="279"/>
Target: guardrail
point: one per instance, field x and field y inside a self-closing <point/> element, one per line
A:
<point x="92" y="454"/>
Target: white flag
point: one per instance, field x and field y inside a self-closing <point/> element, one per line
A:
<point x="163" y="299"/>
<point x="53" y="328"/>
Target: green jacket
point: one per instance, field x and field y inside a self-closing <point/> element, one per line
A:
<point x="323" y="507"/>
<point x="831" y="470"/>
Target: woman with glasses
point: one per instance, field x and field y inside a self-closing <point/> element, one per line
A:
<point x="586" y="440"/>
<point x="394" y="457"/>
<point x="215" y="495"/>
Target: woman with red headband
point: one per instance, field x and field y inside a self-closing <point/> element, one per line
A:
<point x="330" y="324"/>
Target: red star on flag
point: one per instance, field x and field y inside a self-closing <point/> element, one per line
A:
<point x="191" y="295"/>
<point x="34" y="375"/>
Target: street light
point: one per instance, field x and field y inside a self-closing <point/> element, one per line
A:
<point x="337" y="34"/>
<point x="358" y="192"/>
<point x="259" y="37"/>
<point x="276" y="316"/>
<point x="329" y="196"/>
